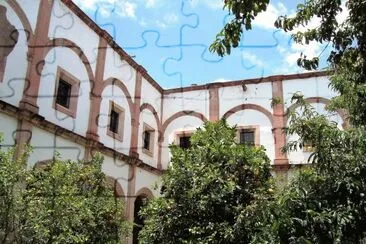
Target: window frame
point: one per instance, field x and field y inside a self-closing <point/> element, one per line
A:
<point x="150" y="151"/>
<point x="62" y="74"/>
<point x="178" y="135"/>
<point x="120" y="129"/>
<point x="249" y="128"/>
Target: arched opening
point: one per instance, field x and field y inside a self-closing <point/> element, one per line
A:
<point x="138" y="222"/>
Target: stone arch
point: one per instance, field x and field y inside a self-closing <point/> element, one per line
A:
<point x="153" y="111"/>
<point x="249" y="106"/>
<point x="120" y="85"/>
<point x="321" y="100"/>
<point x="118" y="190"/>
<point x="181" y="114"/>
<point x="145" y="192"/>
<point x="43" y="164"/>
<point x="23" y="19"/>
<point x="62" y="42"/>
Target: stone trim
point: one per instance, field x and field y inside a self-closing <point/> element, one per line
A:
<point x="247" y="82"/>
<point x="75" y="85"/>
<point x="150" y="151"/>
<point x="116" y="82"/>
<point x="118" y="190"/>
<point x="214" y="103"/>
<point x="279" y="122"/>
<point x="121" y="121"/>
<point x="96" y="91"/>
<point x="158" y="123"/>
<point x="180" y="114"/>
<point x="254" y="128"/>
<point x="36" y="57"/>
<point x="251" y="106"/>
<point x="145" y="192"/>
<point x="183" y="133"/>
<point x="135" y="116"/>
<point x="40" y="122"/>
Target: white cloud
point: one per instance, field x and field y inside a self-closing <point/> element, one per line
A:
<point x="266" y="19"/>
<point x="168" y="20"/>
<point x="160" y="24"/>
<point x="150" y="3"/>
<point x="252" y="59"/>
<point x="213" y="4"/>
<point x="219" y="80"/>
<point x="123" y="8"/>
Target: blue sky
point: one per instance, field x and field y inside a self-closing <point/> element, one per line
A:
<point x="170" y="38"/>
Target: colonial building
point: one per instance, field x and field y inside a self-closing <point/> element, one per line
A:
<point x="66" y="86"/>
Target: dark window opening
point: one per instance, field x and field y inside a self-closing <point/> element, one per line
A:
<point x="247" y="137"/>
<point x="147" y="136"/>
<point x="185" y="142"/>
<point x="138" y="220"/>
<point x="63" y="93"/>
<point x="114" y="121"/>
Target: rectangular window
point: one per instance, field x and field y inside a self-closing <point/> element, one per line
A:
<point x="148" y="140"/>
<point x="185" y="142"/>
<point x="114" y="121"/>
<point x="247" y="137"/>
<point x="63" y="93"/>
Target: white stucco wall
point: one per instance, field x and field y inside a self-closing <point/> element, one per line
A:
<point x="45" y="146"/>
<point x="197" y="101"/>
<point x="8" y="127"/>
<point x="121" y="70"/>
<point x="148" y="180"/>
<point x="250" y="117"/>
<point x="69" y="61"/>
<point x="150" y="95"/>
<point x="115" y="94"/>
<point x="184" y="123"/>
<point x="30" y="9"/>
<point x="116" y="169"/>
<point x="146" y="117"/>
<point x="12" y="85"/>
<point x="65" y="24"/>
<point x="310" y="87"/>
<point x="259" y="94"/>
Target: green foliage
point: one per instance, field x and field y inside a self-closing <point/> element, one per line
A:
<point x="325" y="203"/>
<point x="211" y="191"/>
<point x="12" y="172"/>
<point x="62" y="202"/>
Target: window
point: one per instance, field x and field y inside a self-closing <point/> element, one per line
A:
<point x="248" y="135"/>
<point x="63" y="93"/>
<point x="148" y="140"/>
<point x="183" y="138"/>
<point x="185" y="142"/>
<point x="66" y="93"/>
<point x="308" y="147"/>
<point x="116" y="121"/>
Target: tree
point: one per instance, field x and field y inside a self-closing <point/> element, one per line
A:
<point x="210" y="192"/>
<point x="326" y="202"/>
<point x="61" y="202"/>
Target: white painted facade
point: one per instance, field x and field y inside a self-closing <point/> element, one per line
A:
<point x="167" y="112"/>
